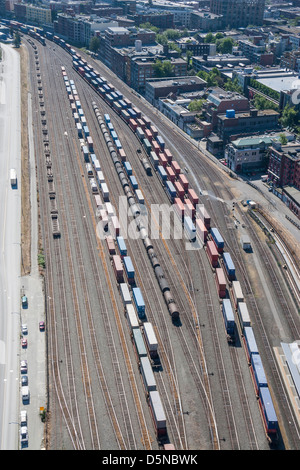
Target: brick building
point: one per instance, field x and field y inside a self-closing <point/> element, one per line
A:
<point x="239" y="13"/>
<point x="284" y="165"/>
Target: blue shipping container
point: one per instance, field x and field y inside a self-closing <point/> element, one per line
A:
<point x="139" y="301"/>
<point x="122" y="246"/>
<point x="229" y="266"/>
<point x="216" y="236"/>
<point x="250" y="341"/>
<point x="128" y="168"/>
<point x="258" y="371"/>
<point x="162" y="173"/>
<point x="228" y="316"/>
<point x="128" y="267"/>
<point x="133" y="182"/>
<point x="268" y="409"/>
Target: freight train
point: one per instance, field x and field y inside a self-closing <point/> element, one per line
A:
<point x="159" y="155"/>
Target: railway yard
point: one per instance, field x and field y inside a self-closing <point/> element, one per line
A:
<point x="200" y="391"/>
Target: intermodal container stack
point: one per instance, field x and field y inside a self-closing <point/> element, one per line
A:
<point x="221" y="283"/>
<point x="218" y="239"/>
<point x="212" y="253"/>
<point x="118" y="268"/>
<point x="129" y="269"/>
<point x="150" y="339"/>
<point x="201" y="230"/>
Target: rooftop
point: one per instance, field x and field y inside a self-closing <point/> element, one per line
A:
<point x="178" y="81"/>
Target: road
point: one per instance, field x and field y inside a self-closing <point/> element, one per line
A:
<point x="10" y="238"/>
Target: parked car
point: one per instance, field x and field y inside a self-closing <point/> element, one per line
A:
<point x="24" y="367"/>
<point x="42" y="326"/>
<point x="24" y="343"/>
<point x="24" y="329"/>
<point x="24" y="380"/>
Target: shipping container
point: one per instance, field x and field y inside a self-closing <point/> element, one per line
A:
<point x="147" y="145"/>
<point x="237" y="292"/>
<point x="139" y="196"/>
<point x="147" y="374"/>
<point x="131" y="316"/>
<point x="189" y="208"/>
<point x="118" y="268"/>
<point x="154" y="160"/>
<point x="228" y="316"/>
<point x="162" y="159"/>
<point x="204" y="215"/>
<point x="86" y="153"/>
<point x="171" y="191"/>
<point x="178" y="207"/>
<point x="100" y="177"/>
<point x="154" y="131"/>
<point x="175" y="167"/>
<point x="170" y="173"/>
<point x="258" y="373"/>
<point x="150" y="339"/>
<point x="105" y="192"/>
<point x="128" y="168"/>
<point x="141" y="350"/>
<point x="155" y="147"/>
<point x="111" y="245"/>
<point x="193" y="196"/>
<point x="179" y="190"/>
<point x="201" y="230"/>
<point x="98" y="201"/>
<point x="148" y="135"/>
<point x="122" y="246"/>
<point x="221" y="282"/>
<point x="168" y="155"/>
<point x="140" y="133"/>
<point x="139" y="301"/>
<point x="90" y="143"/>
<point x="243" y="314"/>
<point x="212" y="253"/>
<point x="229" y="266"/>
<point x="268" y="411"/>
<point x="217" y="238"/>
<point x="132" y="124"/>
<point x="160" y="142"/>
<point x="94" y="185"/>
<point x="183" y="181"/>
<point x="89" y="169"/>
<point x="86" y="131"/>
<point x="162" y="175"/>
<point x="189" y="228"/>
<point x="129" y="269"/>
<point x="250" y="342"/>
<point x="158" y="413"/>
<point x="122" y="154"/>
<point x="114" y="226"/>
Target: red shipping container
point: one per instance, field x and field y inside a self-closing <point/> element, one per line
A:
<point x="148" y="135"/>
<point x="162" y="159"/>
<point x="179" y="207"/>
<point x="204" y="216"/>
<point x="133" y="124"/>
<point x="118" y="268"/>
<point x="212" y="253"/>
<point x="193" y="196"/>
<point x="122" y="154"/>
<point x="184" y="182"/>
<point x="141" y="123"/>
<point x="156" y="147"/>
<point x="170" y="174"/>
<point x="221" y="282"/>
<point x="175" y="167"/>
<point x="179" y="189"/>
<point x="189" y="208"/>
<point x="201" y="230"/>
<point x="154" y="130"/>
<point x="168" y="155"/>
<point x="111" y="245"/>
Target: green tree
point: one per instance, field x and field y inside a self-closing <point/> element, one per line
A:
<point x="209" y="38"/>
<point x="283" y="139"/>
<point x="17" y="39"/>
<point x="94" y="44"/>
<point x="196" y="105"/>
<point x="224" y="46"/>
<point x="290" y="117"/>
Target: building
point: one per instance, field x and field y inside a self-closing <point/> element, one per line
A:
<point x="205" y="21"/>
<point x="284" y="165"/>
<point x="219" y="102"/>
<point x="239" y="13"/>
<point x="32" y="14"/>
<point x="248" y="154"/>
<point x="291" y="60"/>
<point x="159" y="19"/>
<point x="161" y="88"/>
<point x="195" y="47"/>
<point x="224" y="62"/>
<point x="246" y="123"/>
<point x="181" y="12"/>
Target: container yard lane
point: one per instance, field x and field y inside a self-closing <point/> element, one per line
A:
<point x="10" y="223"/>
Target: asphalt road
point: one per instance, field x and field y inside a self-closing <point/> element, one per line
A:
<point x="10" y="238"/>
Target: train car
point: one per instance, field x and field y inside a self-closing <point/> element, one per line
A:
<point x="141" y="123"/>
<point x="175" y="167"/>
<point x="217" y="238"/>
<point x="258" y="373"/>
<point x="193" y="196"/>
<point x="114" y="226"/>
<point x="139" y="301"/>
<point x="122" y="246"/>
<point x="140" y="133"/>
<point x="131" y="317"/>
<point x="229" y="266"/>
<point x="250" y="342"/>
<point x="128" y="168"/>
<point x="171" y="191"/>
<point x="118" y="145"/>
<point x="133" y="124"/>
<point x="86" y="153"/>
<point x="147" y="166"/>
<point x="154" y="159"/>
<point x="237" y="292"/>
<point x="162" y="160"/>
<point x="189" y="228"/>
<point x="268" y="411"/>
<point x="179" y="207"/>
<point x="147" y="374"/>
<point x="201" y="230"/>
<point x="168" y="155"/>
<point x="98" y="201"/>
<point x="154" y="131"/>
<point x="158" y="413"/>
<point x="104" y="219"/>
<point x="160" y="142"/>
<point x="189" y="208"/>
<point x="179" y="190"/>
<point x="228" y="317"/>
<point x="155" y="147"/>
<point x="89" y="169"/>
<point x="133" y="182"/>
<point x="125" y="115"/>
<point x="114" y="135"/>
<point x="96" y="163"/>
<point x="107" y="118"/>
<point x="148" y="135"/>
<point x="150" y="339"/>
<point x="129" y="269"/>
<point x="170" y="173"/>
<point x="122" y="154"/>
<point x="169" y="447"/>
<point x="141" y="351"/>
<point x="90" y="143"/>
<point x="243" y="315"/>
<point x="212" y="253"/>
<point x="204" y="215"/>
<point x="139" y="196"/>
<point x="105" y="192"/>
<point x="147" y="145"/>
<point x="94" y="186"/>
<point x="221" y="283"/>
<point x="162" y="175"/>
<point x="79" y="129"/>
<point x="110" y="245"/>
<point x="183" y="181"/>
<point x="118" y="268"/>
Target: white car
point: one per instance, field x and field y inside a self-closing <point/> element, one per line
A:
<point x="23" y="367"/>
<point x="24" y="435"/>
<point x="24" y="329"/>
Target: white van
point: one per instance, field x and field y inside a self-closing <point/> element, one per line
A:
<point x="23" y="418"/>
<point x="25" y="394"/>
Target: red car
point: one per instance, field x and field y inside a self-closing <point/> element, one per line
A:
<point x="42" y="326"/>
<point x="24" y="343"/>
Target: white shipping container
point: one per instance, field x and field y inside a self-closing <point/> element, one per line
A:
<point x="150" y="337"/>
<point x="125" y="294"/>
<point x="105" y="192"/>
<point x="131" y="316"/>
<point x="157" y="409"/>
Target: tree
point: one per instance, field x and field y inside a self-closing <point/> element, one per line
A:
<point x="290" y="117"/>
<point x="94" y="44"/>
<point x="209" y="38"/>
<point x="224" y="46"/>
<point x="163" y="69"/>
<point x="196" y="105"/>
<point x="283" y="139"/>
<point x="17" y="39"/>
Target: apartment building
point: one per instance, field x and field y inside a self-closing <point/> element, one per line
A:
<point x="284" y="165"/>
<point x="239" y="13"/>
<point x="248" y="154"/>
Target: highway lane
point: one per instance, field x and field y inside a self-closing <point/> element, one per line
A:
<point x="10" y="238"/>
